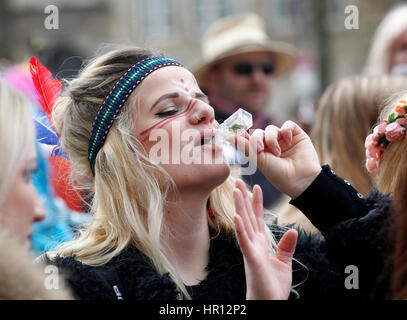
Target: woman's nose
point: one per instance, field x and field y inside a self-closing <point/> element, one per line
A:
<point x="39" y="210"/>
<point x="202" y="113"/>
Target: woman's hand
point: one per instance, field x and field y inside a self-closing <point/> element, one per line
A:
<point x="286" y="156"/>
<point x="268" y="276"/>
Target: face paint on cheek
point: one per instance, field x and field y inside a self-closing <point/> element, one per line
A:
<point x="162" y="123"/>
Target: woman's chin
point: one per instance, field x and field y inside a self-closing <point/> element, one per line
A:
<point x="218" y="173"/>
<point x="202" y="176"/>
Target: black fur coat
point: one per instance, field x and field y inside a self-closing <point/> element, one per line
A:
<point x="319" y="272"/>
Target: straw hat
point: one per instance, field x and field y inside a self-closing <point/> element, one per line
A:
<point x="241" y="34"/>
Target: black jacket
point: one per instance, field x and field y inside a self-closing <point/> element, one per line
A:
<point x="357" y="237"/>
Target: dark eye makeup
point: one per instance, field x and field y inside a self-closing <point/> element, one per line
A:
<point x="167" y="113"/>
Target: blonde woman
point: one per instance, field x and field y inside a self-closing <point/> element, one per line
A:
<point x="346" y="112"/>
<point x="388" y="54"/>
<point x="386" y="151"/>
<point x="20" y="206"/>
<point x="166" y="228"/>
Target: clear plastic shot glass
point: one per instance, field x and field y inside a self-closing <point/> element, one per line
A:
<point x="240" y="120"/>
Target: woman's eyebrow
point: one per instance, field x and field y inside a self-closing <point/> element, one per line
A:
<point x="201" y="95"/>
<point x="163" y="97"/>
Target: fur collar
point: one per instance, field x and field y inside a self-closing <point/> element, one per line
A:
<point x="319" y="269"/>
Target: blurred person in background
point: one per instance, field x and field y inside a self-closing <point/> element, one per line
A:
<point x="59" y="203"/>
<point x="388" y="53"/>
<point x="347" y="111"/>
<point x="20" y="206"/>
<point x="239" y="64"/>
<point x="387" y="158"/>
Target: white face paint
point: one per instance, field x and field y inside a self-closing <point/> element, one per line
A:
<point x="183" y="86"/>
<point x="174" y="124"/>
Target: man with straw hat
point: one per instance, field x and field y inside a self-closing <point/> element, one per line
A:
<point x="239" y="63"/>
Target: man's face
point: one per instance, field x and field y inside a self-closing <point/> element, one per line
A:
<point x="245" y="80"/>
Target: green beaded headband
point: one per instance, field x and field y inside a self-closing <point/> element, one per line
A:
<point x="116" y="99"/>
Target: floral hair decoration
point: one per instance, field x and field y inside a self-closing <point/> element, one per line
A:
<point x="393" y="128"/>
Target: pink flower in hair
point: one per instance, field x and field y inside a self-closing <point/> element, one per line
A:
<point x="394" y="131"/>
<point x="380" y="129"/>
<point x="402" y="121"/>
<point x="371" y="145"/>
<point x="373" y="151"/>
<point x="371" y="165"/>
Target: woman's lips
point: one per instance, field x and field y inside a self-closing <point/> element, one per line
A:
<point x="212" y="147"/>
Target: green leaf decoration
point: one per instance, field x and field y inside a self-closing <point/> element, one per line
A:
<point x="392" y="118"/>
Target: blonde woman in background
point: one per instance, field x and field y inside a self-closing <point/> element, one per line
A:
<point x="389" y="166"/>
<point x="388" y="52"/>
<point x="346" y="113"/>
<point x="20" y="205"/>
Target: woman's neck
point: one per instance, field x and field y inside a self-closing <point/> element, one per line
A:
<point x="186" y="236"/>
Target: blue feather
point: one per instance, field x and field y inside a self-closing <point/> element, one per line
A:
<point x="44" y="132"/>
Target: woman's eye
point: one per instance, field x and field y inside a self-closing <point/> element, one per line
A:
<point x="168" y="112"/>
<point x="28" y="174"/>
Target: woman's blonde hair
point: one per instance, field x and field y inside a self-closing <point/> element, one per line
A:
<point x="392" y="178"/>
<point x="129" y="191"/>
<point x="393" y="162"/>
<point x="390" y="28"/>
<point x="16" y="133"/>
<point x="346" y="113"/>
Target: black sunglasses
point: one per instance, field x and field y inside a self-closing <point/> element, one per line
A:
<point x="246" y="68"/>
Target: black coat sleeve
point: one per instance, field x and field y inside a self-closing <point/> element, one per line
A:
<point x="331" y="199"/>
<point x="352" y="259"/>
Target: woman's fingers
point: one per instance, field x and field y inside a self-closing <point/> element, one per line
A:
<point x="247" y="144"/>
<point x="243" y="240"/>
<point x="257" y="140"/>
<point x="271" y="140"/>
<point x="287" y="132"/>
<point x="241" y="235"/>
<point x="249" y="208"/>
<point x="242" y="212"/>
<point x="258" y="207"/>
<point x="241" y="141"/>
<point x="286" y="246"/>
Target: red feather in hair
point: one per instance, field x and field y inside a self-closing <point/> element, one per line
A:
<point x="48" y="88"/>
